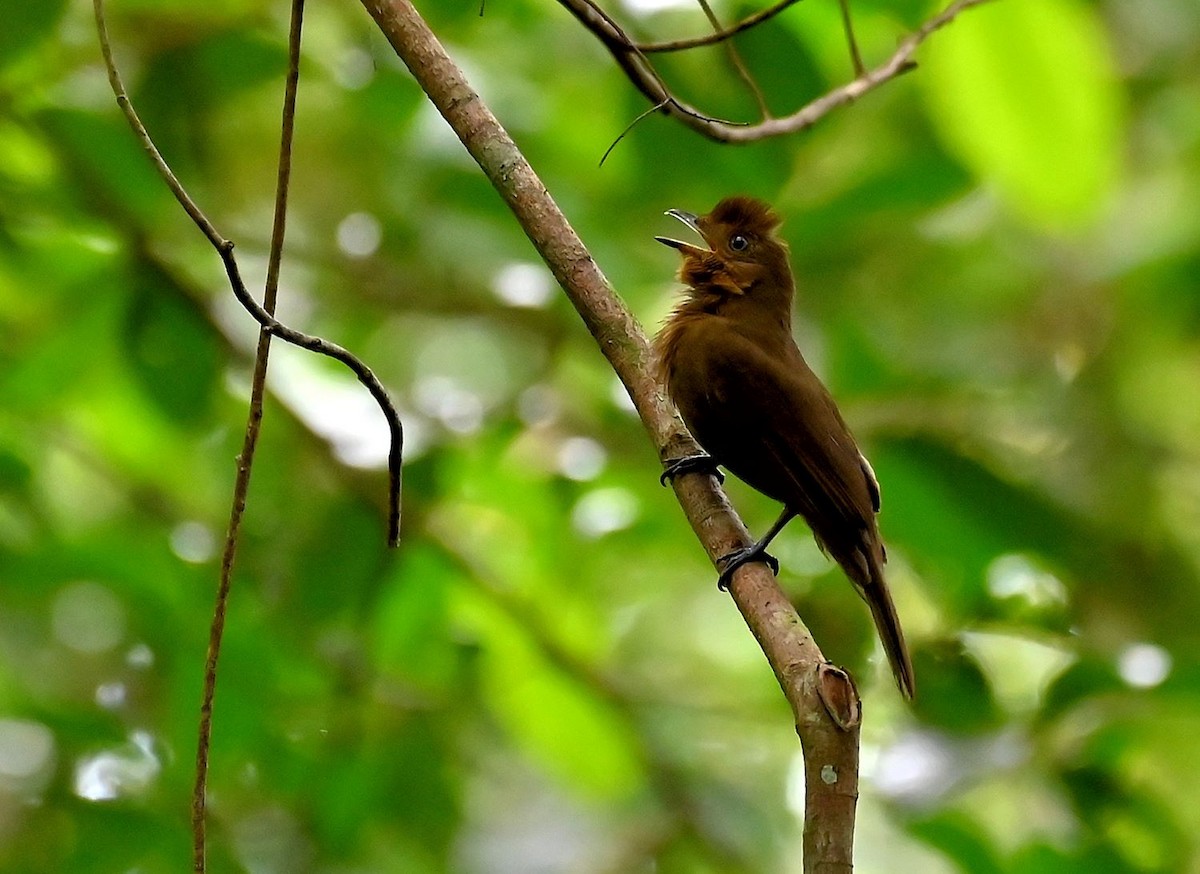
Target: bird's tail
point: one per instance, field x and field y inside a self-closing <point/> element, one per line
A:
<point x="867" y="574"/>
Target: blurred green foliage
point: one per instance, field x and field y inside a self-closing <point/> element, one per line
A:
<point x="998" y="257"/>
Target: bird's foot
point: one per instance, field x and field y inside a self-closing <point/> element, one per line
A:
<point x="732" y="561"/>
<point x="691" y="464"/>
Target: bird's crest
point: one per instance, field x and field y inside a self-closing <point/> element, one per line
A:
<point x="744" y="214"/>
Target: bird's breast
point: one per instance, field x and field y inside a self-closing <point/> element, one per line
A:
<point x="697" y="360"/>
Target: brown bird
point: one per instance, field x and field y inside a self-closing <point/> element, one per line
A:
<point x="728" y="360"/>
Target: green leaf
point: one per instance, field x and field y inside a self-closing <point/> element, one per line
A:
<point x="1025" y="93"/>
<point x="1089" y="678"/>
<point x="211" y="72"/>
<point x="955" y="515"/>
<point x="1044" y="859"/>
<point x="25" y="24"/>
<point x="173" y="352"/>
<point x="954" y="693"/>
<point x="109" y="169"/>
<point x="15" y="473"/>
<point x="555" y="716"/>
<point x="411" y="635"/>
<point x="960" y="838"/>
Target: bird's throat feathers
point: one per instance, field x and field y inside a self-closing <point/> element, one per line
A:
<point x="744" y="257"/>
<point x="707" y="276"/>
<point x="735" y="289"/>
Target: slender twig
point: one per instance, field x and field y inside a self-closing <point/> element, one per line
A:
<point x="245" y="461"/>
<point x="224" y="248"/>
<point x="721" y="35"/>
<point x="628" y="128"/>
<point x="848" y="26"/>
<point x="270" y="326"/>
<point x="735" y="60"/>
<point x="118" y="86"/>
<point x="823" y="699"/>
<point x="643" y="76"/>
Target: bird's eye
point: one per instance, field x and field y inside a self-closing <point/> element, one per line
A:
<point x="738" y="243"/>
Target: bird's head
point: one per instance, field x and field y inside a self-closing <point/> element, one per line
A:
<point x="743" y="251"/>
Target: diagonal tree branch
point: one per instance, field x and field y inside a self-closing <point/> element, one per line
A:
<point x="823" y="699"/>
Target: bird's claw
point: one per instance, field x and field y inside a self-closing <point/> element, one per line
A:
<point x="691" y="464"/>
<point x="734" y="560"/>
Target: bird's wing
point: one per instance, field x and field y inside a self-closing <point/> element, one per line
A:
<point x="800" y="450"/>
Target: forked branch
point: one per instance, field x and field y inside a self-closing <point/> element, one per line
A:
<point x="631" y="57"/>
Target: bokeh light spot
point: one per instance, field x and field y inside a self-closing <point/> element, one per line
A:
<point x="1144" y="665"/>
<point x="916" y="768"/>
<point x="271" y="839"/>
<point x="604" y="511"/>
<point x="444" y="399"/>
<point x="355" y="69"/>
<point x="359" y="235"/>
<point x="27" y="753"/>
<point x="538" y="405"/>
<point x="193" y="542"/>
<point x="648" y="7"/>
<point x="129" y="769"/>
<point x="110" y="696"/>
<point x="88" y="618"/>
<point x="336" y="407"/>
<point x="140" y="656"/>
<point x="581" y="458"/>
<point x="1015" y="576"/>
<point x="523" y="284"/>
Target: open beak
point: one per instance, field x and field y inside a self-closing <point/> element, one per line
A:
<point x="693" y="222"/>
